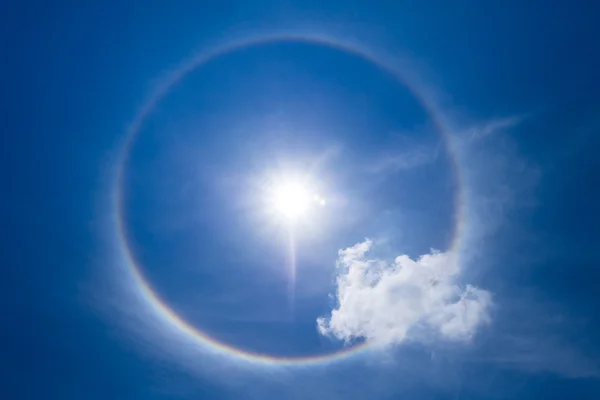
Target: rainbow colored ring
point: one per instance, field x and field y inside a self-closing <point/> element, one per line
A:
<point x="158" y="307"/>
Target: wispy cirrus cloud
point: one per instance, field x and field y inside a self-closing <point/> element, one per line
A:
<point x="403" y="161"/>
<point x="494" y="126"/>
<point x="388" y="303"/>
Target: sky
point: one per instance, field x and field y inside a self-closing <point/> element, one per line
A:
<point x="291" y="200"/>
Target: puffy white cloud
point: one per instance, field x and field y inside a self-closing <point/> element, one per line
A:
<point x="387" y="303"/>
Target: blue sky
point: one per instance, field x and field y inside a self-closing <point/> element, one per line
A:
<point x="445" y="154"/>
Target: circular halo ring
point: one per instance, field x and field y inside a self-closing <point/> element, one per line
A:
<point x="141" y="286"/>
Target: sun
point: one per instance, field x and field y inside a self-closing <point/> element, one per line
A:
<point x="293" y="200"/>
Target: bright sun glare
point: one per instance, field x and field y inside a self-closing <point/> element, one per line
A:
<point x="293" y="200"/>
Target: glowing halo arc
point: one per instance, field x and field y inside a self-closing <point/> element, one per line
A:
<point x="142" y="287"/>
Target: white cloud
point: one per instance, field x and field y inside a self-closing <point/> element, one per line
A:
<point x="494" y="126"/>
<point x="388" y="303"/>
<point x="407" y="160"/>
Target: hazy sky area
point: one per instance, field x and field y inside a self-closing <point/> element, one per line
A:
<point x="300" y="200"/>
